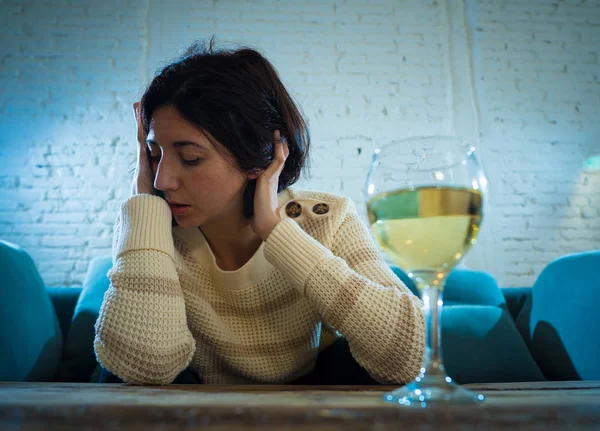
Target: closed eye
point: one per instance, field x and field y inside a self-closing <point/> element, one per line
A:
<point x="191" y="162"/>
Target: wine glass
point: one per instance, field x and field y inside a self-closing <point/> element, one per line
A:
<point x="425" y="201"/>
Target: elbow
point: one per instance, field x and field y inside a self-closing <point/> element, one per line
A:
<point x="415" y="354"/>
<point x="402" y="360"/>
<point x="403" y="368"/>
<point x="156" y="366"/>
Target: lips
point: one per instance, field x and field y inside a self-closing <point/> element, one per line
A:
<point x="179" y="209"/>
<point x="175" y="203"/>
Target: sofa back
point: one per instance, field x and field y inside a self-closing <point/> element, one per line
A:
<point x="480" y="340"/>
<point x="31" y="342"/>
<point x="560" y="322"/>
<point x="79" y="359"/>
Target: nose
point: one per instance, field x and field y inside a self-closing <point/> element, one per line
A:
<point x="166" y="177"/>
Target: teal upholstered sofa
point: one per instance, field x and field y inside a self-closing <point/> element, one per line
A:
<point x="489" y="334"/>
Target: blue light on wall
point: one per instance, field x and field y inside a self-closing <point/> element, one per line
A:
<point x="592" y="163"/>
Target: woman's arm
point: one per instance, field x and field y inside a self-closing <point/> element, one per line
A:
<point x="356" y="293"/>
<point x="141" y="332"/>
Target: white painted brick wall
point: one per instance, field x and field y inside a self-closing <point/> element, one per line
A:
<point x="68" y="74"/>
<point x="538" y="89"/>
<point x="519" y="79"/>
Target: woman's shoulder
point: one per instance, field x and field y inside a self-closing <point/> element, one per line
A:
<point x="304" y="205"/>
<point x="314" y="197"/>
<point x="314" y="194"/>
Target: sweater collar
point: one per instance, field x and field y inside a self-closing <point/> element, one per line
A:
<point x="248" y="275"/>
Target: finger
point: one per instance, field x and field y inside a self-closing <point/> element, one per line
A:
<point x="286" y="148"/>
<point x="278" y="157"/>
<point x="280" y="146"/>
<point x="141" y="136"/>
<point x="284" y="151"/>
<point x="136" y="112"/>
<point x="274" y="169"/>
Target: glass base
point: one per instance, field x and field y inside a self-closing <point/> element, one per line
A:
<point x="428" y="390"/>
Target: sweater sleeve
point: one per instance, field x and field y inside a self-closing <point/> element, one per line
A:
<point x="141" y="331"/>
<point x="356" y="293"/>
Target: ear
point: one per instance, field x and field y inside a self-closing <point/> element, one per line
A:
<point x="254" y="173"/>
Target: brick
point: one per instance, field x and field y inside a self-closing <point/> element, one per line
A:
<point x="66" y="218"/>
<point x="104" y="243"/>
<point x="590" y="213"/>
<point x="8" y="205"/>
<point x="18" y="217"/>
<point x="56" y="266"/>
<point x="24" y="241"/>
<point x="96" y="252"/>
<point x="43" y="229"/>
<point x="578" y="200"/>
<point x="521" y="268"/>
<point x="63" y="241"/>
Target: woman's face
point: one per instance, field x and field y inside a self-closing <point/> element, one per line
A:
<point x="188" y="169"/>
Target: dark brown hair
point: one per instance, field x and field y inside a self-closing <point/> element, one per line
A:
<point x="236" y="96"/>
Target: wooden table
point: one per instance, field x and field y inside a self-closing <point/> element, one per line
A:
<point x="73" y="406"/>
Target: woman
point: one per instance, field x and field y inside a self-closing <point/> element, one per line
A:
<point x="221" y="272"/>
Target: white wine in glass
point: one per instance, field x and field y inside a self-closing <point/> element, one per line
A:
<point x="425" y="199"/>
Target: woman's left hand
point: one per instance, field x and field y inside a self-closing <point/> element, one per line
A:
<point x="266" y="210"/>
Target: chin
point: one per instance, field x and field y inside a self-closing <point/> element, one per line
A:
<point x="188" y="221"/>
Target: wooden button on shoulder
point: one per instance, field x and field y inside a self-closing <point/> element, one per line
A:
<point x="321" y="208"/>
<point x="293" y="209"/>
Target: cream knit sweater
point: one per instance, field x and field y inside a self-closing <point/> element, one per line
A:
<point x="318" y="275"/>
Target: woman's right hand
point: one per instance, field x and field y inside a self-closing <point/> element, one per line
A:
<point x="143" y="178"/>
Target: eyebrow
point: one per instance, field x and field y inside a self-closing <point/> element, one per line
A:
<point x="178" y="143"/>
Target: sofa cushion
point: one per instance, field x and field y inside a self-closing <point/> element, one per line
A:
<point x="469" y="287"/>
<point x="463" y="287"/>
<point x="559" y="322"/>
<point x="30" y="336"/>
<point x="516" y="298"/>
<point x="80" y="360"/>
<point x="64" y="300"/>
<point x="481" y="344"/>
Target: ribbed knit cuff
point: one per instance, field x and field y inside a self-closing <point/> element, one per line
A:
<point x="294" y="252"/>
<point x="145" y="224"/>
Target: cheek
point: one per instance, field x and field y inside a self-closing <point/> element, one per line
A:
<point x="217" y="184"/>
<point x="230" y="182"/>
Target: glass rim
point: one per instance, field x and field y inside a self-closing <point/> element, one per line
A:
<point x="468" y="155"/>
<point x="424" y="138"/>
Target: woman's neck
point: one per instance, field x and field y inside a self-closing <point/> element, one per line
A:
<point x="232" y="241"/>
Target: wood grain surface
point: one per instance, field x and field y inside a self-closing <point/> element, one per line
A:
<point x="83" y="406"/>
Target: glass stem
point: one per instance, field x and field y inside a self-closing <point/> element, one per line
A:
<point x="432" y="310"/>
